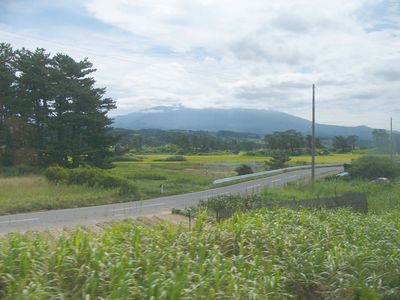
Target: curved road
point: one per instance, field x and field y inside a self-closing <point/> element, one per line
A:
<point x="102" y="213"/>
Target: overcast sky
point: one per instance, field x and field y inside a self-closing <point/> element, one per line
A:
<point x="228" y="53"/>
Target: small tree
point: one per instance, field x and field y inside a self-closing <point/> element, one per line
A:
<point x="243" y="170"/>
<point x="370" y="167"/>
<point x="341" y="144"/>
<point x="278" y="160"/>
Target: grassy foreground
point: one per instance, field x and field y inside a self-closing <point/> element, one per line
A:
<point x="278" y="254"/>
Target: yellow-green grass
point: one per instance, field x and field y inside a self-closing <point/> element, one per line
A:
<point x="327" y="159"/>
<point x="175" y="177"/>
<point x="22" y="194"/>
<point x="33" y="193"/>
<point x="240" y="158"/>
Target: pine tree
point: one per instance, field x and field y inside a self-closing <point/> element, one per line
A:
<point x="79" y="120"/>
<point x="50" y="106"/>
<point x="7" y="79"/>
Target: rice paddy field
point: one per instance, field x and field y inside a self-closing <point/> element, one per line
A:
<point x="242" y="158"/>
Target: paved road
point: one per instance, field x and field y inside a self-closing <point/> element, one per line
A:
<point x="96" y="214"/>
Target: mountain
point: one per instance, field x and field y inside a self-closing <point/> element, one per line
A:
<point x="236" y="120"/>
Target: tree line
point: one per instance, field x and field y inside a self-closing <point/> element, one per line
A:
<point x="51" y="112"/>
<point x="291" y="142"/>
<point x="183" y="142"/>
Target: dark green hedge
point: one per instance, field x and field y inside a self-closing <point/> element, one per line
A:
<point x="91" y="177"/>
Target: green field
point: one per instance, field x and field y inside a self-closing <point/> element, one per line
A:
<point x="276" y="254"/>
<point x="241" y="158"/>
<point x="32" y="193"/>
<point x="259" y="254"/>
<point x="176" y="177"/>
<point x="195" y="174"/>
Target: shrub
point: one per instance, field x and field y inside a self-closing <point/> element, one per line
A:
<point x="126" y="157"/>
<point x="370" y="167"/>
<point x="278" y="160"/>
<point x="93" y="178"/>
<point x="56" y="174"/>
<point x="20" y="170"/>
<point x="7" y="159"/>
<point x="243" y="170"/>
<point x="173" y="158"/>
<point x="147" y="177"/>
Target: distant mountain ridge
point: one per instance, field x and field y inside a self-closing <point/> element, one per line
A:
<point x="234" y="119"/>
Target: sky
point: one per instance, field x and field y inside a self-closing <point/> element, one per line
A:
<point x="259" y="54"/>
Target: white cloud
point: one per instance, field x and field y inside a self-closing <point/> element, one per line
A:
<point x="259" y="54"/>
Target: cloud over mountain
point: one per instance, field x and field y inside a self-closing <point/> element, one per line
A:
<point x="228" y="53"/>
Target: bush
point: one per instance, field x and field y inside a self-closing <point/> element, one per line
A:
<point x="147" y="177"/>
<point x="7" y="159"/>
<point x="370" y="167"/>
<point x="278" y="160"/>
<point x="56" y="174"/>
<point x="243" y="170"/>
<point x="91" y="177"/>
<point x="258" y="153"/>
<point x="173" y="158"/>
<point x="126" y="157"/>
<point x="20" y="170"/>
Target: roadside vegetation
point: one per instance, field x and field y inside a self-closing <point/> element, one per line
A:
<point x="34" y="193"/>
<point x="148" y="176"/>
<point x="274" y="254"/>
<point x="382" y="197"/>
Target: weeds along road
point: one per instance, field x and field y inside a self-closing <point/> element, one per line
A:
<point x="96" y="214"/>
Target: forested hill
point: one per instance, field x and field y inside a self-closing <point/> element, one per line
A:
<point x="237" y="120"/>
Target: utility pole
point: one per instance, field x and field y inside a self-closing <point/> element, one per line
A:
<point x="313" y="136"/>
<point x="391" y="138"/>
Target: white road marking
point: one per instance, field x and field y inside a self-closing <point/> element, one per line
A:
<point x="16" y="221"/>
<point x="276" y="180"/>
<point x="292" y="176"/>
<point x="136" y="207"/>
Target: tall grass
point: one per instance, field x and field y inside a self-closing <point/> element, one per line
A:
<point x="276" y="254"/>
<point x="381" y="197"/>
<point x="30" y="193"/>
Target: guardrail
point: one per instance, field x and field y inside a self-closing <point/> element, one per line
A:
<point x="272" y="172"/>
